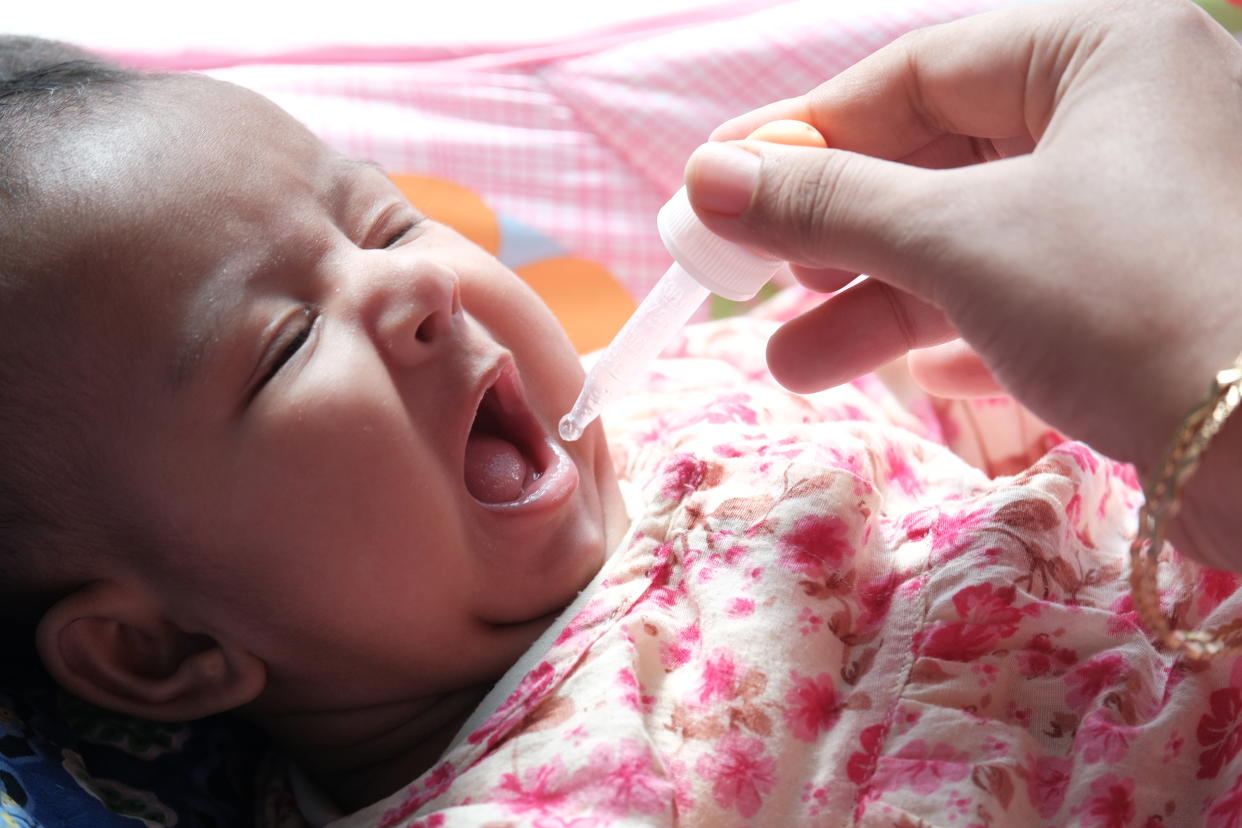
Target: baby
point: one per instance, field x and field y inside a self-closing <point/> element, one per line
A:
<point x="287" y="449"/>
<point x="259" y="392"/>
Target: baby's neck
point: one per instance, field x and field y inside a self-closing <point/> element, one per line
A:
<point x="360" y="756"/>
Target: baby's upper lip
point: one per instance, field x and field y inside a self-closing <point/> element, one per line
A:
<point x="486" y="380"/>
<point x="500" y="398"/>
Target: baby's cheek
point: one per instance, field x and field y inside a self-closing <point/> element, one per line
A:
<point x="520" y="321"/>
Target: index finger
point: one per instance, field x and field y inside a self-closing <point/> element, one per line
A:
<point x="994" y="75"/>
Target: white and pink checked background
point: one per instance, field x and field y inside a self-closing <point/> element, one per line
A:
<point x="578" y="138"/>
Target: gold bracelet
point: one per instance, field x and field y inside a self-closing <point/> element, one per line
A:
<point x="1162" y="499"/>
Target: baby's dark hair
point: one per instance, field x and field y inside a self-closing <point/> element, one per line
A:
<point x="46" y="89"/>
<point x="45" y="84"/>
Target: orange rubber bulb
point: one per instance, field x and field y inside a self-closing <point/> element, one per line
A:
<point x="794" y="133"/>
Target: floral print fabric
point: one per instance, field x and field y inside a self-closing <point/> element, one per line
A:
<point x="821" y="617"/>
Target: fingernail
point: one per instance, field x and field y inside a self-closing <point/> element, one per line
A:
<point x="721" y="177"/>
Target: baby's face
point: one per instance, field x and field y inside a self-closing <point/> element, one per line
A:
<point x="304" y="360"/>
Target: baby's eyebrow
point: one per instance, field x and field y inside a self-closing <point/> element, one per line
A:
<point x="201" y="337"/>
<point x="205" y="335"/>
<point x="356" y="161"/>
<point x="348" y="164"/>
<point x="342" y="177"/>
<point x="207" y="328"/>
<point x="191" y="354"/>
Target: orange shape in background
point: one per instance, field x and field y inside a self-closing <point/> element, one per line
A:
<point x="585" y="297"/>
<point x="452" y="204"/>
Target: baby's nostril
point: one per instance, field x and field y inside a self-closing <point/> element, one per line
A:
<point x="428" y="328"/>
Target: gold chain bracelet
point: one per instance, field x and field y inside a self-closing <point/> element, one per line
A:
<point x="1162" y="499"/>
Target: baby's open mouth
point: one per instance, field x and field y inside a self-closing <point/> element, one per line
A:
<point x="502" y="457"/>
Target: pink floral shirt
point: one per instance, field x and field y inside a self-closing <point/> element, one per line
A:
<point x="822" y="617"/>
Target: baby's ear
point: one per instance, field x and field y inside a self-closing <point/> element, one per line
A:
<point x="109" y="645"/>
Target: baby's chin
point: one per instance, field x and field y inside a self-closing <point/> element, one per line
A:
<point x="554" y="575"/>
<point x="546" y="597"/>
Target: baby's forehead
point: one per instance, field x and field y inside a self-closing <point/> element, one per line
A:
<point x="166" y="183"/>
<point x="170" y="143"/>
<point x="139" y="188"/>
<point x="130" y="215"/>
<point x="188" y="143"/>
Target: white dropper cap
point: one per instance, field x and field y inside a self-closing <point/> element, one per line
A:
<point x="703" y="262"/>
<point x="724" y="268"/>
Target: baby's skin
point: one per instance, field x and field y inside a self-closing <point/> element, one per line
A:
<point x="287" y="367"/>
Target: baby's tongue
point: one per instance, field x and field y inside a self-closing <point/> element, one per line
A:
<point x="495" y="469"/>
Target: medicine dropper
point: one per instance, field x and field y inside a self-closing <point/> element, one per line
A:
<point x="703" y="263"/>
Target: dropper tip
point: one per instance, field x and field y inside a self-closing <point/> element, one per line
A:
<point x="569" y="428"/>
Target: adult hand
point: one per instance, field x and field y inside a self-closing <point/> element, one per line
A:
<point x="1095" y="265"/>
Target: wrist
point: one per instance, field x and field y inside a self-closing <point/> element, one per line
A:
<point x="1208" y="526"/>
<point x="1190" y="509"/>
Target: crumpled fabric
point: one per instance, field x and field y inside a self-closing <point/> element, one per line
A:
<point x="822" y="617"/>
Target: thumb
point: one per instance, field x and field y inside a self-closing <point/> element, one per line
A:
<point x="822" y="208"/>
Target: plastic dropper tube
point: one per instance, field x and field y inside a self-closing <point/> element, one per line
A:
<point x="703" y="263"/>
<point x="661" y="315"/>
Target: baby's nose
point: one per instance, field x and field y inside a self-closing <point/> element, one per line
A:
<point x="417" y="310"/>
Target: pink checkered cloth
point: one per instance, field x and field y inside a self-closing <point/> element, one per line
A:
<point x="581" y="141"/>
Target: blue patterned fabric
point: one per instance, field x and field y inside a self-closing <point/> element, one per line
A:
<point x="66" y="764"/>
